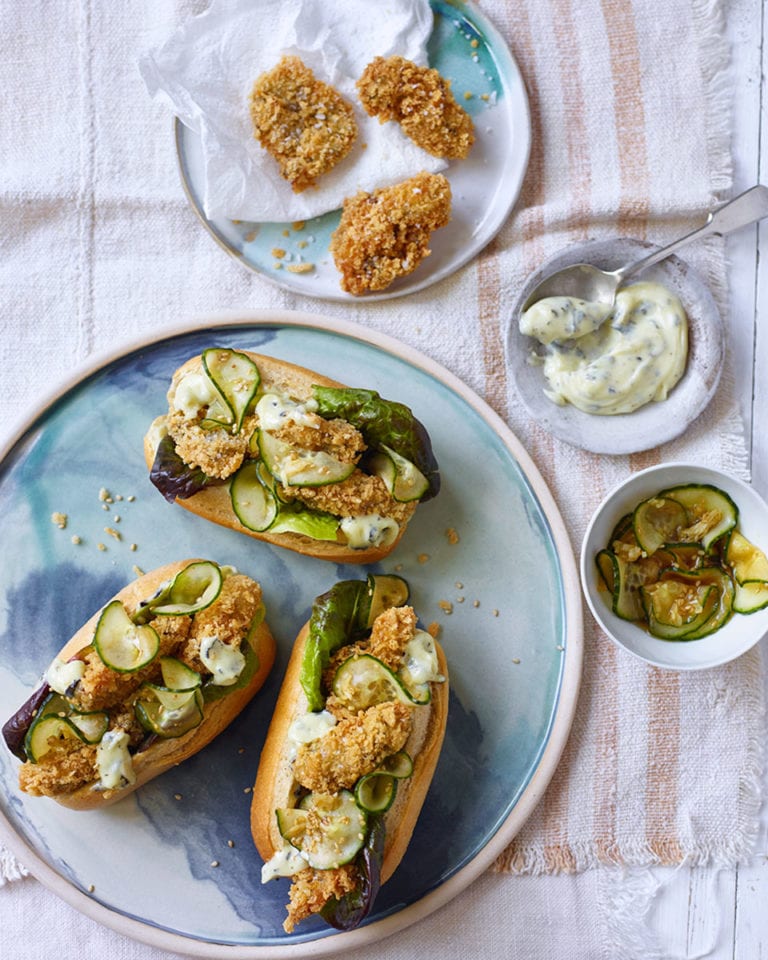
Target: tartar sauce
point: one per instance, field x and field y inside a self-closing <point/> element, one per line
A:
<point x="633" y="355"/>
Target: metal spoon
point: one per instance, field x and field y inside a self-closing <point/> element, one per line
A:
<point x="586" y="282"/>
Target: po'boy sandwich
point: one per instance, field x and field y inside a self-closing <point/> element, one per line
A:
<point x="149" y="680"/>
<point x="350" y="752"/>
<point x="288" y="456"/>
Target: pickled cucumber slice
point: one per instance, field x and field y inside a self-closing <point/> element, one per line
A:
<point x="255" y="505"/>
<point x="328" y="829"/>
<point x="236" y="377"/>
<point x="168" y="713"/>
<point x="747" y="561"/>
<point x="295" y="467"/>
<point x="383" y="591"/>
<point x="711" y="512"/>
<point x="403" y="479"/>
<point x="656" y="521"/>
<point x="46" y="732"/>
<point x="362" y="681"/>
<point x="192" y="589"/>
<point x="121" y="644"/>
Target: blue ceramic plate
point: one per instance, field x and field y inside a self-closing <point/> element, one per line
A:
<point x="466" y="48"/>
<point x="513" y="641"/>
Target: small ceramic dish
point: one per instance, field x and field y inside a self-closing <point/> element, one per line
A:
<point x="739" y="634"/>
<point x="654" y="423"/>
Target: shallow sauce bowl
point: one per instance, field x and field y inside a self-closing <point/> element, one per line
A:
<point x="738" y="635"/>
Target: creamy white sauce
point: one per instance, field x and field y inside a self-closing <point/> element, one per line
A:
<point x="275" y="411"/>
<point x="61" y="676"/>
<point x="194" y="392"/>
<point x="420" y="660"/>
<point x="113" y="761"/>
<point x="369" y="530"/>
<point x="286" y="862"/>
<point x="562" y="318"/>
<point x="636" y="356"/>
<point x="311" y="726"/>
<point x="225" y="662"/>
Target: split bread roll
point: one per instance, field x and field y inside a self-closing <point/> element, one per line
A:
<point x="287" y="456"/>
<point x="148" y="681"/>
<point x="363" y="759"/>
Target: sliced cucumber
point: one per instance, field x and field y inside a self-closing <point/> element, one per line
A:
<point x="750" y="597"/>
<point x="711" y="512"/>
<point x="656" y="521"/>
<point x="622" y="531"/>
<point x="177" y="675"/>
<point x="747" y="561"/>
<point x="675" y="608"/>
<point x="46" y="732"/>
<point x="375" y="792"/>
<point x="255" y="505"/>
<point x="606" y="566"/>
<point x="91" y="726"/>
<point x="698" y="582"/>
<point x="168" y="713"/>
<point x="122" y="644"/>
<point x="403" y="479"/>
<point x="236" y="377"/>
<point x="295" y="467"/>
<point x="398" y="765"/>
<point x="362" y="681"/>
<point x="329" y="830"/>
<point x="193" y="589"/>
<point x="384" y="591"/>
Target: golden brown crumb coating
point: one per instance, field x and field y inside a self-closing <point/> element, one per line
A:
<point x="420" y="100"/>
<point x="385" y="234"/>
<point x="312" y="889"/>
<point x="306" y="125"/>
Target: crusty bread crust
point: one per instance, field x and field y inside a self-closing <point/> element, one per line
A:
<point x="164" y="754"/>
<point x="274" y="781"/>
<point x="214" y="503"/>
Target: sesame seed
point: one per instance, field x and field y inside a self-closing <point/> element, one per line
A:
<point x="101" y="546"/>
<point x="230" y="843"/>
<point x="177" y="796"/>
<point x="214" y="863"/>
<point x="91" y="888"/>
<point x="76" y="540"/>
<point x="60" y="519"/>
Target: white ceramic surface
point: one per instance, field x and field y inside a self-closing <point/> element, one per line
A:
<point x="655" y="423"/>
<point x="514" y="673"/>
<point x="739" y="633"/>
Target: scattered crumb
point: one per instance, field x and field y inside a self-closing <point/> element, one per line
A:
<point x="286" y="233"/>
<point x="475" y="603"/>
<point x="474" y="43"/>
<point x="306" y="125"/>
<point x="138" y="571"/>
<point x="446" y="606"/>
<point x="459" y="585"/>
<point x="467" y="95"/>
<point x="115" y="534"/>
<point x="101" y="546"/>
<point x="278" y="253"/>
<point x="495" y="613"/>
<point x="299" y="224"/>
<point x="277" y="265"/>
<point x="420" y="100"/>
<point x="302" y="244"/>
<point x="60" y="519"/>
<point x="484" y="96"/>
<point x="301" y="267"/>
<point x="385" y="234"/>
<point x="250" y="237"/>
<point x="434" y="629"/>
<point x="177" y="796"/>
<point x="423" y="558"/>
<point x="105" y="496"/>
<point x="453" y="537"/>
<point x="76" y="540"/>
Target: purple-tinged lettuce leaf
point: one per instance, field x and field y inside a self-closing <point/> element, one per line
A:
<point x="15" y="729"/>
<point x="175" y="479"/>
<point x="350" y="911"/>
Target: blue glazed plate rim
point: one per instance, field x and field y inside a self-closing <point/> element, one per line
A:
<point x="564" y="697"/>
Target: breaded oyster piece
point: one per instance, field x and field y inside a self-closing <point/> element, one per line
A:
<point x="385" y="234"/>
<point x="420" y="100"/>
<point x="306" y="125"/>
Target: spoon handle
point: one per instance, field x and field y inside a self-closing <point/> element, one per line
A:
<point x="748" y="207"/>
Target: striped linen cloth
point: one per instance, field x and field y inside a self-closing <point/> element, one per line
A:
<point x="630" y="104"/>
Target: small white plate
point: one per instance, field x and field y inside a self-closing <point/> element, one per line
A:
<point x="484" y="187"/>
<point x="655" y="423"/>
<point x="739" y="634"/>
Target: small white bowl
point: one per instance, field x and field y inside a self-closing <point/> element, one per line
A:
<point x="738" y="635"/>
